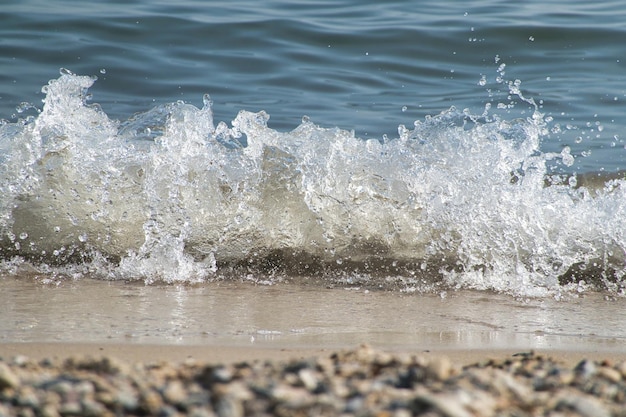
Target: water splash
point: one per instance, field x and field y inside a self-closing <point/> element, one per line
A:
<point x="462" y="200"/>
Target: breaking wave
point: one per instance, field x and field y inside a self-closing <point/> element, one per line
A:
<point x="459" y="200"/>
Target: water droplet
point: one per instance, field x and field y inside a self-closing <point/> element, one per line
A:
<point x="404" y="108"/>
<point x="531" y="38"/>
<point x="23" y="235"/>
<point x="206" y="100"/>
<point x="103" y="71"/>
<point x="566" y="157"/>
<point x="23" y="106"/>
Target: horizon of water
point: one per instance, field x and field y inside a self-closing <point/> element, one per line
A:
<point x="388" y="146"/>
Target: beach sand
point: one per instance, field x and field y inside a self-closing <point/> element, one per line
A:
<point x="213" y="354"/>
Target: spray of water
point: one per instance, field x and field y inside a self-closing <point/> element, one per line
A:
<point x="460" y="199"/>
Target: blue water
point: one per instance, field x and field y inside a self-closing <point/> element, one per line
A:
<point x="351" y="64"/>
<point x="471" y="108"/>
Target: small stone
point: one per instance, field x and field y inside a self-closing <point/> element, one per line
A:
<point x="8" y="379"/>
<point x="587" y="407"/>
<point x="61" y="387"/>
<point x="444" y="405"/>
<point x="566" y="377"/>
<point x="20" y="360"/>
<point x="308" y="378"/>
<point x="200" y="412"/>
<point x="174" y="392"/>
<point x="26" y="412"/>
<point x="71" y="408"/>
<point x="228" y="406"/>
<point x="621" y="367"/>
<point x="585" y="368"/>
<point x="364" y="353"/>
<point x="295" y="397"/>
<point x="91" y="408"/>
<point x="49" y="411"/>
<point x="440" y="368"/>
<point x="611" y="374"/>
<point x="126" y="399"/>
<point x="168" y="411"/>
<point x="151" y="402"/>
<point x="27" y="397"/>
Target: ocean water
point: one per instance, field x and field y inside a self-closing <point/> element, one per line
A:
<point x="410" y="146"/>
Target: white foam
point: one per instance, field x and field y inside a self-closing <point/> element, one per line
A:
<point x="167" y="195"/>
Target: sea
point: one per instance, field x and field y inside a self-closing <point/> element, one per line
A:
<point x="456" y="152"/>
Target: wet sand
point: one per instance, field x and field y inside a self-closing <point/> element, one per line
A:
<point x="286" y="316"/>
<point x="250" y="317"/>
<point x="226" y="322"/>
<point x="133" y="353"/>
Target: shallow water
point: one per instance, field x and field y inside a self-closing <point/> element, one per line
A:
<point x="296" y="316"/>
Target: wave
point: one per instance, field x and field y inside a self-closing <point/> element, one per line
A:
<point x="457" y="201"/>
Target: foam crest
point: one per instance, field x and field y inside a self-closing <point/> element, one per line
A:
<point x="459" y="199"/>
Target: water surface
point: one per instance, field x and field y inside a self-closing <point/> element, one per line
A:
<point x="414" y="147"/>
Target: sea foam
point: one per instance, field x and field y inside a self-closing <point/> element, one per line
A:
<point x="458" y="200"/>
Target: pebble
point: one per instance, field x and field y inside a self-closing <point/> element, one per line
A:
<point x="611" y="374"/>
<point x="362" y="382"/>
<point x="440" y="368"/>
<point x="8" y="379"/>
<point x="174" y="393"/>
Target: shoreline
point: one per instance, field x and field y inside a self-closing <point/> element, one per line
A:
<point x="232" y="354"/>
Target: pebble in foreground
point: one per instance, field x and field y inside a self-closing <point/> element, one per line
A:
<point x="361" y="382"/>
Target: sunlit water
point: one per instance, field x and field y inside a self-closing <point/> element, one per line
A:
<point x="413" y="148"/>
<point x="296" y="316"/>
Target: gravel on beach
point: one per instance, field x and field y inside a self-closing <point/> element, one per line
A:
<point x="363" y="382"/>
